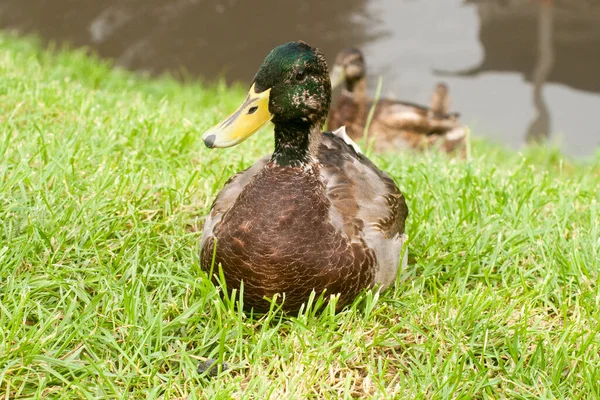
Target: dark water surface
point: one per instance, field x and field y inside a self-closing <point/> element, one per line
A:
<point x="517" y="69"/>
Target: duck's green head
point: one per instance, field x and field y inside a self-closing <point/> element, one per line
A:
<point x="291" y="86"/>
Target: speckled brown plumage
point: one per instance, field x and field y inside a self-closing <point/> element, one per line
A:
<point x="395" y="125"/>
<point x="315" y="216"/>
<point x="278" y="235"/>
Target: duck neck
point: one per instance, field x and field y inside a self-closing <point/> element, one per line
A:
<point x="296" y="143"/>
<point x="357" y="88"/>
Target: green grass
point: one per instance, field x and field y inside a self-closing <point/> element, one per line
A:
<point x="104" y="182"/>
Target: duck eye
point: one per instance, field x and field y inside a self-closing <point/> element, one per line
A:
<point x="300" y="75"/>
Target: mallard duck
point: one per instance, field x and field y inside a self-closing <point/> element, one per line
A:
<point x="395" y="124"/>
<point x="316" y="215"/>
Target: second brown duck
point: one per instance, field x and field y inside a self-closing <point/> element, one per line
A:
<point x="395" y="125"/>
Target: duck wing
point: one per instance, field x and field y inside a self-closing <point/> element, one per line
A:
<point x="396" y="115"/>
<point x="366" y="203"/>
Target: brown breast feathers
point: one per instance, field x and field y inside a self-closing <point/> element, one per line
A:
<point x="277" y="238"/>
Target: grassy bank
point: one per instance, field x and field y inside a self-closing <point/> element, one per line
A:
<point x="103" y="184"/>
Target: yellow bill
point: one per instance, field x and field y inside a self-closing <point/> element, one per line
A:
<point x="337" y="76"/>
<point x="252" y="115"/>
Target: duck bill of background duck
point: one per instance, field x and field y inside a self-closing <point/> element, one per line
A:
<point x="252" y="115"/>
<point x="337" y="76"/>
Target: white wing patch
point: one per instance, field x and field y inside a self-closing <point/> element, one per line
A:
<point x="341" y="133"/>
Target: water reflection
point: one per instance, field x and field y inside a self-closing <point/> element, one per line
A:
<point x="518" y="69"/>
<point x="539" y="129"/>
<point x="205" y="38"/>
<point x="510" y="29"/>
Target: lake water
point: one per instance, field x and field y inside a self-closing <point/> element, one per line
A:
<point x="516" y="68"/>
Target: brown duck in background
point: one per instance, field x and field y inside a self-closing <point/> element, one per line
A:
<point x="395" y="125"/>
<point x="440" y="101"/>
<point x="316" y="215"/>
